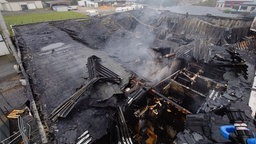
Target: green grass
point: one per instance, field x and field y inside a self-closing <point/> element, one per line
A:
<point x="40" y="17"/>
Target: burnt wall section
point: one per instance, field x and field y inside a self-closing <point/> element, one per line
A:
<point x="96" y="32"/>
<point x="197" y="27"/>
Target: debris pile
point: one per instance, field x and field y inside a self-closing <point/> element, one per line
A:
<point x="151" y="76"/>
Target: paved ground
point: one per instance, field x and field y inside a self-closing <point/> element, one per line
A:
<point x="102" y="11"/>
<point x="12" y="93"/>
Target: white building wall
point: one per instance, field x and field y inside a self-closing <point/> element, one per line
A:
<point x="15" y="6"/>
<point x="1" y="7"/>
<point x="91" y="4"/>
<point x="31" y="6"/>
<point x="81" y="3"/>
<point x="6" y="7"/>
<point x="3" y="49"/>
<point x="38" y="4"/>
<point x="60" y="8"/>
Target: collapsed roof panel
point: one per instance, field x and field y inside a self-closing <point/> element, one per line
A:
<point x="57" y="68"/>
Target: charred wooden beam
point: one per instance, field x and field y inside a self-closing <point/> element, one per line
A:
<point x="136" y="95"/>
<point x="183" y="86"/>
<point x="184" y="110"/>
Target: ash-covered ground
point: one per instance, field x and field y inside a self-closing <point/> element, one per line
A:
<point x="145" y="42"/>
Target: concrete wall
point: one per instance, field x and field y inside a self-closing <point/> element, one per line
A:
<point x="31" y="6"/>
<point x="16" y="6"/>
<point x="6" y="7"/>
<point x="1" y="7"/>
<point x="91" y="4"/>
<point x="4" y="126"/>
<point x="60" y="8"/>
<point x="81" y="3"/>
<point x="3" y="48"/>
<point x="38" y="4"/>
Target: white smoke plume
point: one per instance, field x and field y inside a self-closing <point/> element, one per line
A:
<point x="134" y="50"/>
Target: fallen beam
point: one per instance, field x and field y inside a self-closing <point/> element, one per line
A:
<point x="122" y="129"/>
<point x="63" y="109"/>
<point x="171" y="102"/>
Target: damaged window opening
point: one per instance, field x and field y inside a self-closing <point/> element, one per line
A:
<point x="143" y="74"/>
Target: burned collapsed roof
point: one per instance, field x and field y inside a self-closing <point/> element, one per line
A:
<point x="146" y="43"/>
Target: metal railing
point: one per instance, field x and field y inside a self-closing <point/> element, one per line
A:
<point x="24" y="129"/>
<point x="22" y="135"/>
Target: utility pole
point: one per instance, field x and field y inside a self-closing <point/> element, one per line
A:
<point x="7" y="38"/>
<point x="5" y="32"/>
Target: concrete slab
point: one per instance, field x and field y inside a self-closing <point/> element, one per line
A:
<point x="12" y="93"/>
<point x="6" y="66"/>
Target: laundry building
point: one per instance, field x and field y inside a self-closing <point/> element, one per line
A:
<point x="19" y="5"/>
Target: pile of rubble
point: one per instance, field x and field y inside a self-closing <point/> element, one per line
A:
<point x="151" y="77"/>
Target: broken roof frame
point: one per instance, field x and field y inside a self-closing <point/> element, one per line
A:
<point x="97" y="73"/>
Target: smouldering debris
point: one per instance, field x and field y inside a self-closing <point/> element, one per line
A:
<point x="152" y="76"/>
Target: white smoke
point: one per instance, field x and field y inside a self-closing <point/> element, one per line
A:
<point x="133" y="49"/>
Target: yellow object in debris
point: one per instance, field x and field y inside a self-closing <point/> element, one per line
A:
<point x="15" y="114"/>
